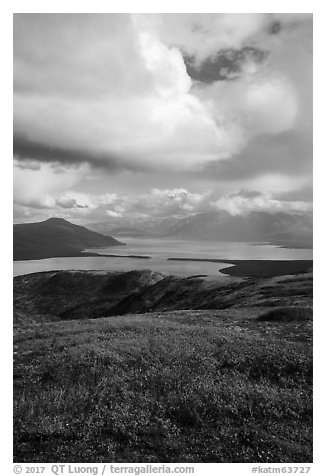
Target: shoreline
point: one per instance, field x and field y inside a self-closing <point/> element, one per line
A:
<point x="258" y="268"/>
<point x="81" y="254"/>
<point x="234" y="267"/>
<point x="126" y="256"/>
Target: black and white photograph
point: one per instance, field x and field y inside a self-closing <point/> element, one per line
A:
<point x="163" y="239"/>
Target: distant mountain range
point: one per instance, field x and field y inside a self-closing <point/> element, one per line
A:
<point x="56" y="237"/>
<point x="283" y="229"/>
<point x="144" y="228"/>
<point x="131" y="232"/>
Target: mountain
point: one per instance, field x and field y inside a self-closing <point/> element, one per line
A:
<point x="283" y="229"/>
<point x="138" y="228"/>
<point x="131" y="232"/>
<point x="55" y="237"/>
<point x="120" y="229"/>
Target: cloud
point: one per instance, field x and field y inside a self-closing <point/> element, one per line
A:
<point x="100" y="94"/>
<point x="263" y="104"/>
<point x="165" y="202"/>
<point x="37" y="187"/>
<point x="90" y="201"/>
<point x="114" y="89"/>
<point x="156" y="204"/>
<point x="77" y="56"/>
<point x="243" y="202"/>
<point x="227" y="64"/>
<point x="114" y="214"/>
<point x="142" y="111"/>
<point x="202" y="35"/>
<point x="28" y="152"/>
<point x="288" y="154"/>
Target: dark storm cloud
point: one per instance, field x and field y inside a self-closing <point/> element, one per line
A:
<point x="28" y="153"/>
<point x="227" y="64"/>
<point x="25" y="149"/>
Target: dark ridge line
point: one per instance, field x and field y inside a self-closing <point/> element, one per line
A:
<point x="244" y="261"/>
<point x="258" y="268"/>
<point x="84" y="254"/>
<point x="126" y="256"/>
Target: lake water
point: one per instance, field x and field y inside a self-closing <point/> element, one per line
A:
<point x="159" y="250"/>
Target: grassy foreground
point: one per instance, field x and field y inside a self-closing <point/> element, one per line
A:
<point x="181" y="386"/>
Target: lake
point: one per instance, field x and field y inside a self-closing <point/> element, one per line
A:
<point x="159" y="250"/>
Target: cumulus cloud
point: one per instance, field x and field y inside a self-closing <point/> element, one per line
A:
<point x="49" y="187"/>
<point x="202" y="35"/>
<point x="243" y="203"/>
<point x="72" y="199"/>
<point x="117" y="86"/>
<point x="157" y="204"/>
<point x="141" y="111"/>
<point x="37" y="187"/>
<point x="114" y="93"/>
<point x="167" y="202"/>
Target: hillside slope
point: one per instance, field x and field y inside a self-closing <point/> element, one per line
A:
<point x="81" y="295"/>
<point x="221" y="371"/>
<point x="55" y="237"/>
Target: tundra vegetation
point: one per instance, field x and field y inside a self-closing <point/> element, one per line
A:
<point x="150" y="374"/>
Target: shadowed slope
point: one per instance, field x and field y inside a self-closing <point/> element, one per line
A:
<point x="82" y="295"/>
<point x="55" y="237"/>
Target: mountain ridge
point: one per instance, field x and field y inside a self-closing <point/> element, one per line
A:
<point x="55" y="237"/>
<point x="288" y="230"/>
<point x="282" y="229"/>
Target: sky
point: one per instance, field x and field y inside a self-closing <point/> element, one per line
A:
<point x="132" y="117"/>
